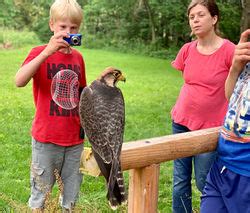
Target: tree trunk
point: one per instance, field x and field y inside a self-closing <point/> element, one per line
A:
<point x="151" y="20"/>
<point x="245" y="18"/>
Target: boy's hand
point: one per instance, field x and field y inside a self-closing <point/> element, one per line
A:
<point x="56" y="42"/>
<point x="242" y="52"/>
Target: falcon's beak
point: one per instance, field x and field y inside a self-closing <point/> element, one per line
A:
<point x="122" y="78"/>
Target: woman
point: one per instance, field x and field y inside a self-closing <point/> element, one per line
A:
<point x="205" y="64"/>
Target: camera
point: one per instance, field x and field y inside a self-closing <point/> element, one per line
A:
<point x="74" y="39"/>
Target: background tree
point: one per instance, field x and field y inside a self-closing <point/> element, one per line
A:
<point x="230" y="11"/>
<point x="146" y="5"/>
<point x="245" y="18"/>
<point x="153" y="27"/>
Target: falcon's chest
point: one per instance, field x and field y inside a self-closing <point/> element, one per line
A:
<point x="108" y="102"/>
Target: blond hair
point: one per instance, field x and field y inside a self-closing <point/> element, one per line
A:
<point x="63" y="9"/>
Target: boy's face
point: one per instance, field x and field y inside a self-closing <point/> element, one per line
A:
<point x="63" y="25"/>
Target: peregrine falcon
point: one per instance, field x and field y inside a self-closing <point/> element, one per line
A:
<point x="102" y="115"/>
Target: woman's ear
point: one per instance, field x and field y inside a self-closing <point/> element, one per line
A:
<point x="215" y="19"/>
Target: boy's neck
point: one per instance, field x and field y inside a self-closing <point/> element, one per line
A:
<point x="66" y="50"/>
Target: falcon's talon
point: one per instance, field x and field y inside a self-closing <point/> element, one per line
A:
<point x="88" y="155"/>
<point x="112" y="206"/>
<point x="124" y="203"/>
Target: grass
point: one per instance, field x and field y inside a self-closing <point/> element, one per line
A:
<point x="14" y="38"/>
<point x="150" y="92"/>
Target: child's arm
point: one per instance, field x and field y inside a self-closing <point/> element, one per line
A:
<point x="27" y="71"/>
<point x="240" y="59"/>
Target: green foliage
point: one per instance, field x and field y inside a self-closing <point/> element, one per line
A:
<point x="107" y="20"/>
<point x="119" y="23"/>
<point x="7" y="12"/>
<point x="230" y="21"/>
<point x="14" y="38"/>
<point x="129" y="46"/>
<point x="36" y="17"/>
<point x="130" y="31"/>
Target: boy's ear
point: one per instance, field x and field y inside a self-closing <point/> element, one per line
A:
<point x="51" y="25"/>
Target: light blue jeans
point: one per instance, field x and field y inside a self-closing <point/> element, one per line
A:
<point x="48" y="157"/>
<point x="182" y="175"/>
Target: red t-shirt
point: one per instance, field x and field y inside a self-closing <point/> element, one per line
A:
<point x="51" y="122"/>
<point x="202" y="103"/>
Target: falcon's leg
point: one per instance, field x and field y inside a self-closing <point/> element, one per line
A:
<point x="88" y="154"/>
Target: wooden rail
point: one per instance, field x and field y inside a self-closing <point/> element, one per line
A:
<point x="143" y="159"/>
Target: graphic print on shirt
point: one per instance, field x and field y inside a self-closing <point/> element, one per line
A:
<point x="238" y="116"/>
<point x="57" y="109"/>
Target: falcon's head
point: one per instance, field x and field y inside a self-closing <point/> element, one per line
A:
<point x="110" y="76"/>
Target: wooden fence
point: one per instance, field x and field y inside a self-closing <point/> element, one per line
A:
<point x="143" y="159"/>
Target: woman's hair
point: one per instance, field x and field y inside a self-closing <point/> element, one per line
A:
<point x="212" y="8"/>
<point x="63" y="9"/>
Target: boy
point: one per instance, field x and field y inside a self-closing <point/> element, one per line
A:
<point x="57" y="142"/>
<point x="227" y="186"/>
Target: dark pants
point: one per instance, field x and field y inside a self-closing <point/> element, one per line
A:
<point x="225" y="191"/>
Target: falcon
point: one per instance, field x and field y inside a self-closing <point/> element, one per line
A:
<point x="102" y="116"/>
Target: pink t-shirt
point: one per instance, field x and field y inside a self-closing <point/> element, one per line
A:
<point x="202" y="103"/>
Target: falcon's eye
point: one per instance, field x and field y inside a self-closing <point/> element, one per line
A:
<point x="116" y="74"/>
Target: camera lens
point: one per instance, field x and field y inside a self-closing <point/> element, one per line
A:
<point x="75" y="40"/>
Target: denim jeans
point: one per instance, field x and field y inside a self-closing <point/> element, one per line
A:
<point x="182" y="175"/>
<point x="48" y="157"/>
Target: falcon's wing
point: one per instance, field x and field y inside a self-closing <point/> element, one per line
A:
<point x="102" y="117"/>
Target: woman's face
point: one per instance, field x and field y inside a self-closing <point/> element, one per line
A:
<point x="200" y="20"/>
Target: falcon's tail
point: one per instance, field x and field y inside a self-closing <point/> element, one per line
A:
<point x="115" y="182"/>
<point x="116" y="187"/>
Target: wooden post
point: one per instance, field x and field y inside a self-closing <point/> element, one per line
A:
<point x="143" y="189"/>
<point x="143" y="158"/>
<point x="142" y="153"/>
